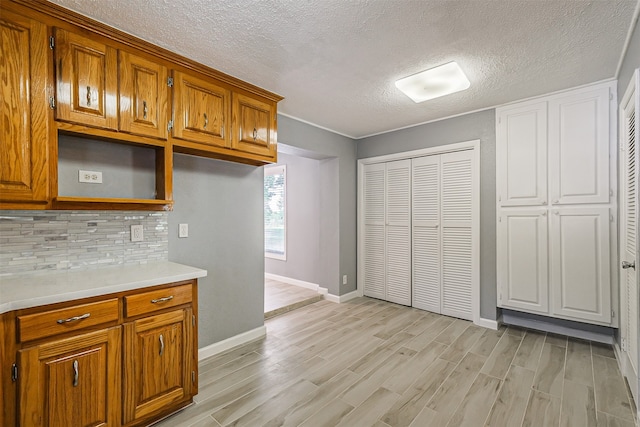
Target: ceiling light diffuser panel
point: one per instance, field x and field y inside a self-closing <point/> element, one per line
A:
<point x="434" y="82"/>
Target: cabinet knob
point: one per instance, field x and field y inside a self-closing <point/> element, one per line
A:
<point x="76" y="373"/>
<point x="627" y="264"/>
<point x="88" y="96"/>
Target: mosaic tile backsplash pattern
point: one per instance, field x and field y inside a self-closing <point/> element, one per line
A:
<point x="53" y="240"/>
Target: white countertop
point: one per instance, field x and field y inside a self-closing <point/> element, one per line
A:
<point x="31" y="290"/>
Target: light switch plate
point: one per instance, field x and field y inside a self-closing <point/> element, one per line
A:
<point x="183" y="230"/>
<point x="137" y="233"/>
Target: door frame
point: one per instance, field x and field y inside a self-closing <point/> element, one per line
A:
<point x="622" y="356"/>
<point x="474" y="146"/>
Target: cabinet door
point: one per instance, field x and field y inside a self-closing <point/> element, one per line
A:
<point x="87" y="81"/>
<point x="521" y="149"/>
<point x="523" y="260"/>
<point x="71" y="382"/>
<point x="458" y="258"/>
<point x="426" y="253"/>
<point x="201" y="110"/>
<point x="254" y="128"/>
<point x="374" y="223"/>
<point x="158" y="368"/>
<point x="398" y="232"/>
<point x="579" y="147"/>
<point x="580" y="263"/>
<point x="143" y="96"/>
<point x="23" y="109"/>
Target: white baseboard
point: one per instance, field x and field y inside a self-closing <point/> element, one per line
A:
<point x="488" y="323"/>
<point x="295" y="282"/>
<point x="341" y="298"/>
<point x="229" y="343"/>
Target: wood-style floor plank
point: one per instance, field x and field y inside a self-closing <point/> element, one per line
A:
<point x="371" y="363"/>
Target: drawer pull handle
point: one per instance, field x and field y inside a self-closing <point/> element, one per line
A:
<point x="76" y="373"/>
<point x="206" y="121"/>
<point x="73" y="319"/>
<point x="161" y="345"/>
<point x="156" y="301"/>
<point x="145" y="110"/>
<point x="255" y="134"/>
<point x="88" y="96"/>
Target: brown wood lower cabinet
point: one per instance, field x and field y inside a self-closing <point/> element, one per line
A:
<point x="105" y="365"/>
<point x="158" y="370"/>
<point x="71" y="382"/>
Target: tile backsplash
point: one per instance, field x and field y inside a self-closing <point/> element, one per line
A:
<point x="79" y="240"/>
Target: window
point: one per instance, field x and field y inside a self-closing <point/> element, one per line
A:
<point x="275" y="236"/>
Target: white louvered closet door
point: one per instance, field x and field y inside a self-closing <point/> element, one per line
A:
<point x="374" y="234"/>
<point x="457" y="243"/>
<point x="398" y="232"/>
<point x="427" y="256"/>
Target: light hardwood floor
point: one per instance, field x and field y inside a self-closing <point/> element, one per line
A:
<point x="282" y="297"/>
<point x="372" y="363"/>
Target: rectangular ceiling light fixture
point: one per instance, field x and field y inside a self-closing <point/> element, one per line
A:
<point x="434" y="83"/>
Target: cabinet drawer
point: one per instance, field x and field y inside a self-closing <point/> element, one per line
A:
<point x="148" y="302"/>
<point x="54" y="322"/>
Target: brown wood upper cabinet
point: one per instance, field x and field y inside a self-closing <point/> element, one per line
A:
<point x="143" y="96"/>
<point x="201" y="109"/>
<point x="254" y="126"/>
<point x="87" y="80"/>
<point x="23" y="111"/>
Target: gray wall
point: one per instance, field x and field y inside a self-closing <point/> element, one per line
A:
<point x="302" y="221"/>
<point x="480" y="126"/>
<point x="222" y="203"/>
<point x="631" y="61"/>
<point x="128" y="171"/>
<point x="341" y="152"/>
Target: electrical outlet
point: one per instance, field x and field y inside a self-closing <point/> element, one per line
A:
<point x="137" y="233"/>
<point x="183" y="230"/>
<point x="90" y="177"/>
<point x="344" y="279"/>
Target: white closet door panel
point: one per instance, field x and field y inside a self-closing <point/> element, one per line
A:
<point x="579" y="147"/>
<point x="425" y="204"/>
<point x="580" y="263"/>
<point x="523" y="260"/>
<point x="374" y="187"/>
<point x="427" y="253"/>
<point x="374" y="261"/>
<point x="457" y="273"/>
<point x="398" y="265"/>
<point x="521" y="148"/>
<point x="457" y="189"/>
<point x="398" y="191"/>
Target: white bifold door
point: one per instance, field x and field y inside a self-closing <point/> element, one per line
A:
<point x="442" y="219"/>
<point x="387" y="231"/>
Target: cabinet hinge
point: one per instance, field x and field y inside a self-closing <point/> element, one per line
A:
<point x="623" y="344"/>
<point x="613" y="314"/>
<point x="14" y="372"/>
<point x="611" y="192"/>
<point x="52" y="103"/>
<point x="610" y="96"/>
<point x="52" y="43"/>
<point x="611" y="218"/>
<point x="499" y="120"/>
<point x="193" y="320"/>
<point x="170" y="81"/>
<point x="170" y="125"/>
<point x="193" y="377"/>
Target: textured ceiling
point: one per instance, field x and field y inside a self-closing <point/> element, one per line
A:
<point x="336" y="61"/>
